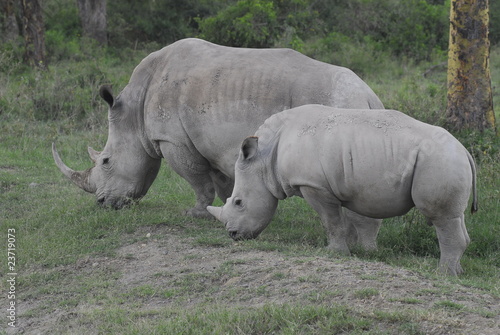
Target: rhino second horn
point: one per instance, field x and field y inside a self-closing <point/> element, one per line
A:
<point x="215" y="211"/>
<point x="94" y="154"/>
<point x="79" y="178"/>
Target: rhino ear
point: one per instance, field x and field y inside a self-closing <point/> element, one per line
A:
<point x="107" y="94"/>
<point x="249" y="147"/>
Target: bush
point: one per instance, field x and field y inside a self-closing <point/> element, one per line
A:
<point x="336" y="48"/>
<point x="59" y="47"/>
<point x="260" y="24"/>
<point x="133" y="22"/>
<point x="248" y="23"/>
<point x="494" y="22"/>
<point x="62" y="30"/>
<point x="414" y="28"/>
<point x="11" y="56"/>
<point x="66" y="92"/>
<point x="484" y="146"/>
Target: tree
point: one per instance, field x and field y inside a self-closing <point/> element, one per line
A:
<point x="470" y="100"/>
<point x="34" y="33"/>
<point x="93" y="17"/>
<point x="10" y="28"/>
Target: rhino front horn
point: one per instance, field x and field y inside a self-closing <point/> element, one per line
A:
<point x="215" y="211"/>
<point x="79" y="178"/>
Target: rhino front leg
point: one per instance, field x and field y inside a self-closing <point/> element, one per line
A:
<point x="223" y="184"/>
<point x="330" y="212"/>
<point x="196" y="170"/>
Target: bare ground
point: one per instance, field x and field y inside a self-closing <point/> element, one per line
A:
<point x="164" y="269"/>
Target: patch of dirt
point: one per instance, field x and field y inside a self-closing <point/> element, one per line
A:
<point x="7" y="168"/>
<point x="184" y="274"/>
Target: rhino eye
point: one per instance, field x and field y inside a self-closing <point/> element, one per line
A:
<point x="105" y="161"/>
<point x="237" y="202"/>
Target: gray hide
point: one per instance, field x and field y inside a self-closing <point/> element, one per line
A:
<point x="192" y="103"/>
<point x="378" y="164"/>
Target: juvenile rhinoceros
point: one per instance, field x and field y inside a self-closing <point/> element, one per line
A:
<point x="192" y="103"/>
<point x="378" y="164"/>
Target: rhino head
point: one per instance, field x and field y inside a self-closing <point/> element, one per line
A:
<point x="251" y="206"/>
<point x="124" y="170"/>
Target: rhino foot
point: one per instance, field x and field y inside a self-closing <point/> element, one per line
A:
<point x="451" y="269"/>
<point x="199" y="213"/>
<point x="340" y="249"/>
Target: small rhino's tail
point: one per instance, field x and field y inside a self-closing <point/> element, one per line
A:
<point x="474" y="206"/>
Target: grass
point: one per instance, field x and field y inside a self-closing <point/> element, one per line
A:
<point x="366" y="293"/>
<point x="287" y="319"/>
<point x="60" y="227"/>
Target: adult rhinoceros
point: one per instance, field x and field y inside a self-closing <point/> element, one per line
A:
<point x="192" y="103"/>
<point x="375" y="163"/>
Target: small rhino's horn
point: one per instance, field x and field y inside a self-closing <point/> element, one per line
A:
<point x="215" y="211"/>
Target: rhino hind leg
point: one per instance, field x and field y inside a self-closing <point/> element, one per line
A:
<point x="362" y="230"/>
<point x="196" y="171"/>
<point x="453" y="240"/>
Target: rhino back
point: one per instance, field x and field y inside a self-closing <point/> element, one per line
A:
<point x="211" y="96"/>
<point x="365" y="157"/>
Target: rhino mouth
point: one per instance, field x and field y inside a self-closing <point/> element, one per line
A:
<point x="238" y="236"/>
<point x="235" y="236"/>
<point x="116" y="203"/>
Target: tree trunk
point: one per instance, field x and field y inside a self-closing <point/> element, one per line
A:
<point x="93" y="17"/>
<point x="10" y="28"/>
<point x="470" y="101"/>
<point x="34" y="33"/>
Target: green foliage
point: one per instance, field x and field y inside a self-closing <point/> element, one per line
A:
<point x="67" y="91"/>
<point x="61" y="47"/>
<point x="339" y="49"/>
<point x="62" y="30"/>
<point x="11" y="55"/>
<point x="494" y="22"/>
<point x="248" y="23"/>
<point x="411" y="28"/>
<point x="62" y="16"/>
<point x="483" y="146"/>
<point x="57" y="94"/>
<point x="414" y="28"/>
<point x="409" y="235"/>
<point x="259" y="23"/>
<point x="133" y="22"/>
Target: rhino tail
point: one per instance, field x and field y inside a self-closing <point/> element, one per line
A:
<point x="474" y="206"/>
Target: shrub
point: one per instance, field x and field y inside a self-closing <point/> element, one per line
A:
<point x="59" y="47"/>
<point x="59" y="93"/>
<point x="260" y="24"/>
<point x="132" y="23"/>
<point x="248" y="23"/>
<point x="336" y="48"/>
<point x="62" y="30"/>
<point x="413" y="28"/>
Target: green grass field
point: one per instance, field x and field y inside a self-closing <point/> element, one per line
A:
<point x="149" y="269"/>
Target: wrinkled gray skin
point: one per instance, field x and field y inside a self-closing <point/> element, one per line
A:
<point x="192" y="103"/>
<point x="377" y="163"/>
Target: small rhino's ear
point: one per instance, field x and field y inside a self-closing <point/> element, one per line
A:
<point x="107" y="94"/>
<point x="249" y="147"/>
